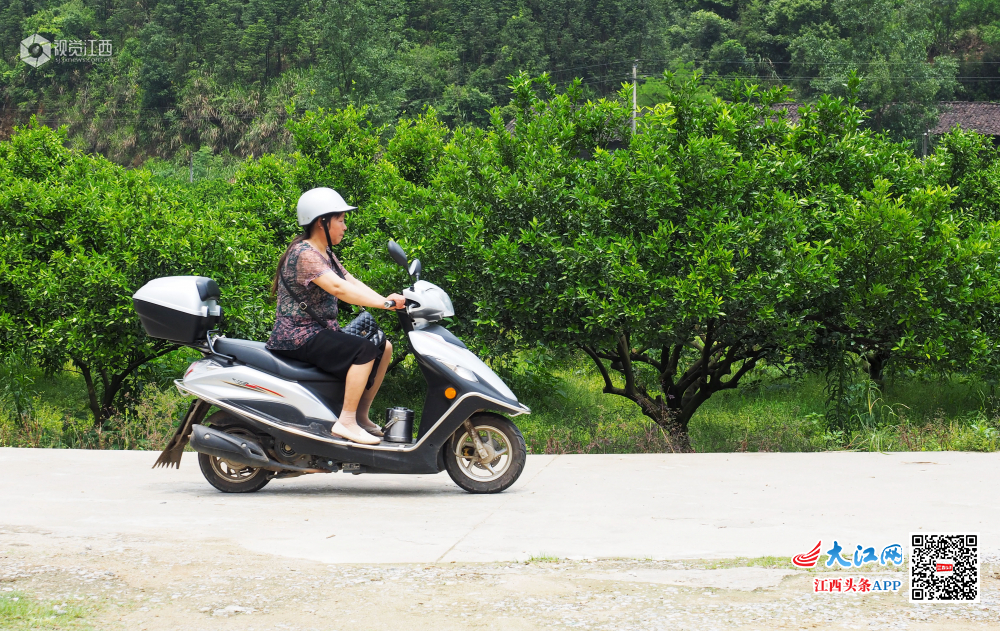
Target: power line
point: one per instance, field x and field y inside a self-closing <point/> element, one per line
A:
<point x="610" y="63"/>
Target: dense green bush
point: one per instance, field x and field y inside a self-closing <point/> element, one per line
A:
<point x="79" y="235"/>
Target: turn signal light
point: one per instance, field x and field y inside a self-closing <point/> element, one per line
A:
<point x="450" y="393"/>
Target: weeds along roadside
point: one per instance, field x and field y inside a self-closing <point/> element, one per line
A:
<point x="570" y="413"/>
<point x="911" y="413"/>
<point x="19" y="610"/>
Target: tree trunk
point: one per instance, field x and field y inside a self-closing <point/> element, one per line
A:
<point x="93" y="403"/>
<point x="673" y="419"/>
<point x="683" y="392"/>
<point x="103" y="406"/>
<point x="397" y="361"/>
<point x="111" y="391"/>
<point x="669" y="416"/>
<point x="877" y="361"/>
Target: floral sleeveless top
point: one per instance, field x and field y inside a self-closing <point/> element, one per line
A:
<point x="294" y="326"/>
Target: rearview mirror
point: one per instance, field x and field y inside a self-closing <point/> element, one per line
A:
<point x="397" y="253"/>
<point x="416" y="268"/>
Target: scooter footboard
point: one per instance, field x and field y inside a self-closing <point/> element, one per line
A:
<point x="419" y="458"/>
<point x="422" y="458"/>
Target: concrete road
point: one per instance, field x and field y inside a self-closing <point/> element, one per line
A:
<point x="658" y="506"/>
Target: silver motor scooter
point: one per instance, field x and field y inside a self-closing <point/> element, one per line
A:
<point x="274" y="414"/>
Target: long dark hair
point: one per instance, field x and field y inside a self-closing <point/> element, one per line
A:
<point x="284" y="257"/>
<point x="306" y="232"/>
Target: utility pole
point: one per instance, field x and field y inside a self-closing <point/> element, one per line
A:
<point x="635" y="78"/>
<point x="926" y="134"/>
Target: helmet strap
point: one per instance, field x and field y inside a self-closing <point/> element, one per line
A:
<point x="325" y="222"/>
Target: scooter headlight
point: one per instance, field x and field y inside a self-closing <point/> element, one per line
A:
<point x="461" y="371"/>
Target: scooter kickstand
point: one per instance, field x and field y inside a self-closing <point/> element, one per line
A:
<point x="480" y="448"/>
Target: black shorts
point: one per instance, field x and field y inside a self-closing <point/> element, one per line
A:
<point x="335" y="352"/>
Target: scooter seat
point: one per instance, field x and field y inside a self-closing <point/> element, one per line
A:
<point x="256" y="355"/>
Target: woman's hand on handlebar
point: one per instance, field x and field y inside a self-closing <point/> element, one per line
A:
<point x="398" y="302"/>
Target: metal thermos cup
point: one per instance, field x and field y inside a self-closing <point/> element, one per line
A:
<point x="398" y="425"/>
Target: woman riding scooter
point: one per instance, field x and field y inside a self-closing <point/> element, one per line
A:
<point x="308" y="284"/>
<point x="274" y="413"/>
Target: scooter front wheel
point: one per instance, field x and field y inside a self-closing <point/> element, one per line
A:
<point x="502" y="463"/>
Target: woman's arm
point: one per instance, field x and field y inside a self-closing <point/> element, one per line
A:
<point x="355" y="292"/>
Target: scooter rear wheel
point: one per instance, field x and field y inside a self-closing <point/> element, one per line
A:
<point x="502" y="465"/>
<point x="226" y="476"/>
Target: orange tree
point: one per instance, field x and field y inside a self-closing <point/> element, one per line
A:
<point x="717" y="238"/>
<point x="79" y="235"/>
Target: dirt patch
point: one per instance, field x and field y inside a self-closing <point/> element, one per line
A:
<point x="130" y="583"/>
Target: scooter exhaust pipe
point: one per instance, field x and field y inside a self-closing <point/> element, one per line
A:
<point x="238" y="450"/>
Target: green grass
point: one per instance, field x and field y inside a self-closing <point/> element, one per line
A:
<point x="570" y="413"/>
<point x="58" y="414"/>
<point x="780" y="563"/>
<point x="769" y="562"/>
<point x="543" y="559"/>
<point x="911" y="414"/>
<point x="771" y="417"/>
<point x="20" y="611"/>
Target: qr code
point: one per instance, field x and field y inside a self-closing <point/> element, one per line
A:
<point x="944" y="567"/>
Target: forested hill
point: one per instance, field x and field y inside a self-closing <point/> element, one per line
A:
<point x="218" y="74"/>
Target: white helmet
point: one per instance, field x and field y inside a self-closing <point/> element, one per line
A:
<point x="317" y="202"/>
